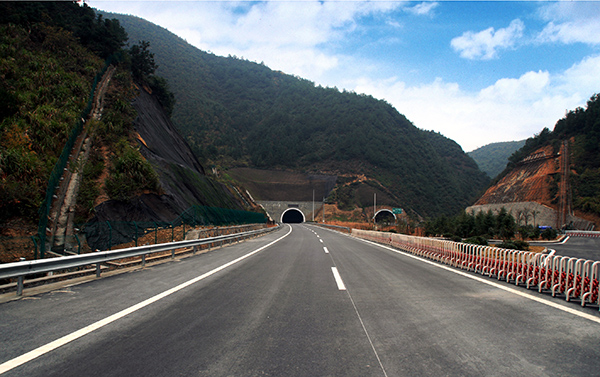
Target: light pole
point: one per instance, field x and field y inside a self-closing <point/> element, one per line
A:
<point x="313" y="211"/>
<point x="374" y="209"/>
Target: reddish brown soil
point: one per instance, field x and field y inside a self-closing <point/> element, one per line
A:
<point x="529" y="182"/>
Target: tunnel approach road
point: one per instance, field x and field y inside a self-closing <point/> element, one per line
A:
<point x="301" y="301"/>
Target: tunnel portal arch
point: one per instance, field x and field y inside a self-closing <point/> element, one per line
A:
<point x="293" y="216"/>
<point x="384" y="214"/>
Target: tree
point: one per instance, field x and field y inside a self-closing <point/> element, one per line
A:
<point x="505" y="224"/>
<point x="142" y="61"/>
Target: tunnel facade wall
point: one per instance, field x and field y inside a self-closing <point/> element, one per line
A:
<point x="275" y="209"/>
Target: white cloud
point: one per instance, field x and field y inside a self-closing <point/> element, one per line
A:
<point x="510" y="109"/>
<point x="571" y="22"/>
<point x="425" y="8"/>
<point x="485" y="44"/>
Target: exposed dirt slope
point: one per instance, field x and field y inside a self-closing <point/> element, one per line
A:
<point x="531" y="181"/>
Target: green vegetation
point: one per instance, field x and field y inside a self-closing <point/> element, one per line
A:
<point x="477" y="229"/>
<point x="483" y="224"/>
<point x="492" y="158"/>
<point x="514" y="245"/>
<point x="130" y="173"/>
<point x="239" y="113"/>
<point x="101" y="36"/>
<point x="45" y="78"/>
<point x="50" y="53"/>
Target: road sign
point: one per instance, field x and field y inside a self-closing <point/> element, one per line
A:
<point x="397" y="211"/>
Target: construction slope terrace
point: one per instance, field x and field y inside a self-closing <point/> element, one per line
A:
<point x="526" y="192"/>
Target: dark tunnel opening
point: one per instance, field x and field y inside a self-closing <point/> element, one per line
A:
<point x="292" y="216"/>
<point x="385" y="217"/>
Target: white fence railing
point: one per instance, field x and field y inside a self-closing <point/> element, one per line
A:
<point x="573" y="278"/>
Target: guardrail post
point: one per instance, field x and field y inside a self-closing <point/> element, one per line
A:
<point x="143" y="260"/>
<point x="98" y="270"/>
<point x="20" y="285"/>
<point x="172" y="253"/>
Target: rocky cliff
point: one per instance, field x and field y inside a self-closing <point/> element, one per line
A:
<point x="182" y="179"/>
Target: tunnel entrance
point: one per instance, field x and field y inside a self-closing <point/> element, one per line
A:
<point x="385" y="217"/>
<point x="292" y="216"/>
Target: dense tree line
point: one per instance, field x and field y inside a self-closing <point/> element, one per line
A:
<point x="102" y="36"/>
<point x="479" y="228"/>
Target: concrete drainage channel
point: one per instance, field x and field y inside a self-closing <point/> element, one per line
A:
<point x="49" y="274"/>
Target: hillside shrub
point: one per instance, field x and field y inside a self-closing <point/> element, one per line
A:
<point x="130" y="174"/>
<point x="549" y="234"/>
<point x="514" y="245"/>
<point x="477" y="240"/>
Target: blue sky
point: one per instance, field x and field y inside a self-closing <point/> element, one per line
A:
<point x="476" y="71"/>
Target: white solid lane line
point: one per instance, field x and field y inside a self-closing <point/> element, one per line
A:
<point x="11" y="364"/>
<point x="338" y="279"/>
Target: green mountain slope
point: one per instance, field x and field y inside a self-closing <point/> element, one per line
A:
<point x="238" y="113"/>
<point x="49" y="55"/>
<point x="492" y="158"/>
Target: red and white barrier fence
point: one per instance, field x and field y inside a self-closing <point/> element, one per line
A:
<point x="582" y="233"/>
<point x="570" y="277"/>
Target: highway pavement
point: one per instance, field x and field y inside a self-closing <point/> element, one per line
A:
<point x="301" y="301"/>
<point x="579" y="247"/>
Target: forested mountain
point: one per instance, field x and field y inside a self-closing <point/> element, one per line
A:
<point x="239" y="113"/>
<point x="492" y="158"/>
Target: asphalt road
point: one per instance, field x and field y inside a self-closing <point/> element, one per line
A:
<point x="579" y="247"/>
<point x="281" y="312"/>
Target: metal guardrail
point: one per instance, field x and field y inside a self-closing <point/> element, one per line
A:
<point x="21" y="269"/>
<point x="573" y="278"/>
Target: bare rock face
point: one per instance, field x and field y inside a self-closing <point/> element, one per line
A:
<point x="182" y="179"/>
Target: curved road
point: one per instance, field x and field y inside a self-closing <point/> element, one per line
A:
<point x="579" y="247"/>
<point x="281" y="310"/>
